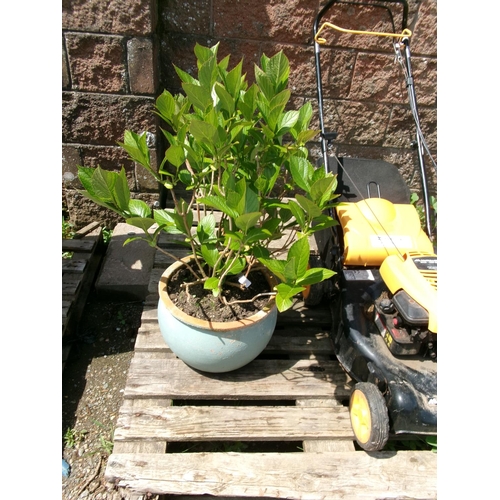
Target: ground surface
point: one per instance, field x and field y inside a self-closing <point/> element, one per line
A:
<point x="93" y="381"/>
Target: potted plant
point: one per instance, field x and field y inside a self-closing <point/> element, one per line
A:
<point x="235" y="151"/>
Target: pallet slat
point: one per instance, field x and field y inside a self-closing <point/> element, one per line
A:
<point x="248" y="423"/>
<point x="78" y="273"/>
<point x="323" y="476"/>
<point x="261" y="379"/>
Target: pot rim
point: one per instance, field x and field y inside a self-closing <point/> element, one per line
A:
<point x="217" y="326"/>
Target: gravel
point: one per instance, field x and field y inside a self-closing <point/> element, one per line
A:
<point x="93" y="382"/>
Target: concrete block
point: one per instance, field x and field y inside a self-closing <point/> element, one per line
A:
<point x="126" y="269"/>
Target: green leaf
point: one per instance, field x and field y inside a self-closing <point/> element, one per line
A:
<point x="277" y="67"/>
<point x="204" y="132"/>
<point x="176" y="155"/>
<point x="226" y="101"/>
<point x="247" y="102"/>
<point x="306" y="136"/>
<point x="165" y="105"/>
<point x="300" y="251"/>
<point x="284" y="297"/>
<point x="290" y="270"/>
<point x="185" y="77"/>
<point x="198" y="96"/>
<point x="206" y="228"/>
<point x="218" y="203"/>
<point x="310" y="207"/>
<point x="237" y="266"/>
<point x="276" y="266"/>
<point x="257" y="234"/>
<point x="265" y="83"/>
<point x="203" y="54"/>
<point x="139" y="208"/>
<point x="85" y="177"/>
<point x="287" y="121"/>
<point x="210" y="253"/>
<point x="141" y="222"/>
<point x="212" y="284"/>
<point x="315" y="275"/>
<point x="302" y="171"/>
<point x="233" y="80"/>
<point x="136" y="146"/>
<point x="207" y="73"/>
<point x="323" y="189"/>
<point x="121" y="191"/>
<point x="247" y="221"/>
<point x="298" y="213"/>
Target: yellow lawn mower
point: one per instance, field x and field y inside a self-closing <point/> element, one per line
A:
<point x="385" y="306"/>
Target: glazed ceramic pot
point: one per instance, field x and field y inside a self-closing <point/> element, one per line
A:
<point x="209" y="346"/>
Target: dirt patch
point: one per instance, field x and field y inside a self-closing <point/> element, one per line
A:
<point x="93" y="381"/>
<point x="202" y="304"/>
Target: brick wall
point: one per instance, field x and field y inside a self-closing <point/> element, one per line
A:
<point x="118" y="55"/>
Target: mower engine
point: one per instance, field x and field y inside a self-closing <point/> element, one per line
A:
<point x="407" y="315"/>
<point x="403" y="305"/>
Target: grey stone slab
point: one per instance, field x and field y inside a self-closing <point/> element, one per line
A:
<point x="126" y="269"/>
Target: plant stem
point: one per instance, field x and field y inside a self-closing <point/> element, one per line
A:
<point x="162" y="250"/>
<point x="264" y="294"/>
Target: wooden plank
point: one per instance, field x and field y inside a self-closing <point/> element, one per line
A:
<point x="260" y="379"/>
<point x="156" y="445"/>
<point x="78" y="245"/>
<point x="73" y="265"/>
<point x="78" y="275"/>
<point x="71" y="284"/>
<point x="66" y="306"/>
<point x="315" y="445"/>
<point x="234" y="423"/>
<point x="322" y="476"/>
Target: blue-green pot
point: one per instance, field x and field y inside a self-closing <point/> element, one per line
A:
<point x="214" y="347"/>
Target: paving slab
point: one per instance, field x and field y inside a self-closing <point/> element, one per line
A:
<point x="126" y="270"/>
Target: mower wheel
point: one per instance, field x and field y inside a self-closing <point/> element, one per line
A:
<point x="369" y="416"/>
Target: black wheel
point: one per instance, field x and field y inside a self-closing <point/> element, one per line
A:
<point x="313" y="294"/>
<point x="369" y="416"/>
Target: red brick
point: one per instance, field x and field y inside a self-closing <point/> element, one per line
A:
<point x="289" y="21"/>
<point x="113" y="16"/>
<point x="186" y="17"/>
<point x="96" y="62"/>
<point x="141" y="66"/>
<point x="424" y="39"/>
<point x="377" y="78"/>
<point x="102" y="119"/>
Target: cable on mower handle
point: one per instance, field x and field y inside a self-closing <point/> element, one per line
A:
<point x="405" y="33"/>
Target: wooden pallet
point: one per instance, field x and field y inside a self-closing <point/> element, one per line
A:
<point x="277" y="428"/>
<point x="78" y="273"/>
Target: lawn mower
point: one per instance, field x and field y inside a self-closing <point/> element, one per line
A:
<point x="385" y="304"/>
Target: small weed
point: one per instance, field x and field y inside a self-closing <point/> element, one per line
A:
<point x="67" y="234"/>
<point x="238" y="446"/>
<point x="414" y="198"/>
<point x="121" y="319"/>
<point x="72" y="437"/>
<point x="106" y="441"/>
<point x="67" y="230"/>
<point x="106" y="445"/>
<point x="106" y="235"/>
<point x="432" y="441"/>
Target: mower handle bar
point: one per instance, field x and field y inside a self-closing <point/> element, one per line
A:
<point x="324" y="10"/>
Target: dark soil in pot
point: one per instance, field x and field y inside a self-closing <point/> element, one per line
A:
<point x="202" y="304"/>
